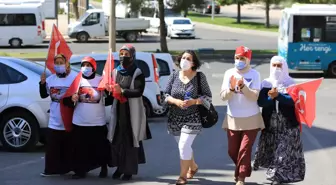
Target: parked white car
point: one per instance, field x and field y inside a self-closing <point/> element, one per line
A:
<point x="180" y="27"/>
<point x="149" y="66"/>
<point x="23" y="114"/>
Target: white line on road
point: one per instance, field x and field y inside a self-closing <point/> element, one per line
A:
<point x="11" y="167"/>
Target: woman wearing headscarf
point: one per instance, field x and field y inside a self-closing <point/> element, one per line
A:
<point x="241" y="86"/>
<point x="184" y="120"/>
<point x="58" y="148"/>
<point x="128" y="126"/>
<point x="280" y="148"/>
<point x="89" y="123"/>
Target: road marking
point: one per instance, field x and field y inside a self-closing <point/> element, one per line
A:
<point x="11" y="167"/>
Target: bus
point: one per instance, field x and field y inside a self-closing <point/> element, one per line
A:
<point x="307" y="37"/>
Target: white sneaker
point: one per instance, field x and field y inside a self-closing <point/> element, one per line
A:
<point x="240" y="183"/>
<point x="43" y="174"/>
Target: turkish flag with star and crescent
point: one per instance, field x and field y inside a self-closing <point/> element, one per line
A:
<point x="57" y="45"/>
<point x="304" y="97"/>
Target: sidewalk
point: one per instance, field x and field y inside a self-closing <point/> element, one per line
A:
<point x="254" y="10"/>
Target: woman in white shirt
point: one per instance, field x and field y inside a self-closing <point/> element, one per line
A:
<point x="58" y="148"/>
<point x="89" y="123"/>
<point x="241" y="86"/>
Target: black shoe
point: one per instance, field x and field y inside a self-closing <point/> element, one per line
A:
<point x="117" y="174"/>
<point x="78" y="176"/>
<point x="126" y="177"/>
<point x="103" y="172"/>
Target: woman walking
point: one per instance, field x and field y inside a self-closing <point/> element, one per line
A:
<point x="89" y="123"/>
<point x="241" y="86"/>
<point x="184" y="121"/>
<point x="58" y="148"/>
<point x="280" y="148"/>
<point x="128" y="126"/>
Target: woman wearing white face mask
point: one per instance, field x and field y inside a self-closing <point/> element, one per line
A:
<point x="89" y="123"/>
<point x="243" y="121"/>
<point x="184" y="121"/>
<point x="280" y="147"/>
<point x="58" y="148"/>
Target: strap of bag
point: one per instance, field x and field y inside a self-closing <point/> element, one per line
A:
<point x="199" y="88"/>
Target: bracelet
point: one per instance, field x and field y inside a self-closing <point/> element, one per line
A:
<point x="232" y="90"/>
<point x="242" y="86"/>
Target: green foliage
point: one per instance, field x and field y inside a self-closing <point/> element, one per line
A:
<point x="135" y="5"/>
<point x="230" y="2"/>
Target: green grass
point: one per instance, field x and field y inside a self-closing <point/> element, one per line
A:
<point x="230" y="22"/>
<point x="43" y="55"/>
<point x="24" y="55"/>
<point x="97" y="0"/>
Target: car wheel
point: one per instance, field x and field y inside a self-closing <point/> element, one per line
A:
<point x="131" y="37"/>
<point x="161" y="112"/>
<point x="15" y="42"/>
<point x="332" y="70"/>
<point x="19" y="131"/>
<point x="82" y="37"/>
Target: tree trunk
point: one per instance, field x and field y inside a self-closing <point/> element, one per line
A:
<point x="267" y="8"/>
<point x="238" y="12"/>
<point x="163" y="34"/>
<point x="75" y="8"/>
<point x="185" y="11"/>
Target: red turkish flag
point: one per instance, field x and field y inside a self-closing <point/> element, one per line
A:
<point x="107" y="77"/>
<point x="67" y="112"/>
<point x="57" y="45"/>
<point x="304" y="97"/>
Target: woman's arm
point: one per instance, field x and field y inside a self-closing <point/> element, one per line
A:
<point x="43" y="90"/>
<point x="168" y="98"/>
<point x="264" y="100"/>
<point x="139" y="87"/>
<point x="285" y="99"/>
<point x="206" y="98"/>
<point x="226" y="93"/>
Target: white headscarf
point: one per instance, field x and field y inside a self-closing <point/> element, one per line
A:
<point x="278" y="78"/>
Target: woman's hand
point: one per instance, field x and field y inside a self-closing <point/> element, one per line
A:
<point x="117" y="88"/>
<point x="233" y="83"/>
<point x="109" y="87"/>
<point x="273" y="93"/>
<point x="188" y="103"/>
<point x="179" y="103"/>
<point x="75" y="98"/>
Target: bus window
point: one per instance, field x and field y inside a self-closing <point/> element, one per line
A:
<point x="330" y="33"/>
<point x="305" y="34"/>
<point x="17" y="19"/>
<point x="309" y="28"/>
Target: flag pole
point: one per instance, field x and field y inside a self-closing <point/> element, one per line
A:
<point x="110" y="75"/>
<point x="52" y="33"/>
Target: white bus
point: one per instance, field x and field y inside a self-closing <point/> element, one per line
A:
<point x="21" y="25"/>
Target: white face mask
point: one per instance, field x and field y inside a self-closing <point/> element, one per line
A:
<point x="185" y="65"/>
<point x="277" y="73"/>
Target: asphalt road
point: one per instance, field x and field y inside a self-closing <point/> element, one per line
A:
<point x="206" y="38"/>
<point x="210" y="147"/>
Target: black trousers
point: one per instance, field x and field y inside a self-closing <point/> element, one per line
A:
<point x="91" y="148"/>
<point x="58" y="152"/>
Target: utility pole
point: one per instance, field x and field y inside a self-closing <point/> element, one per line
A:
<point x="112" y="27"/>
<point x="213" y="10"/>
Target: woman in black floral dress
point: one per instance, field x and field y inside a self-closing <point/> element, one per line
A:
<point x="184" y="121"/>
<point x="280" y="148"/>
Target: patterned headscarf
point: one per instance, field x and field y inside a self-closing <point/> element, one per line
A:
<point x="130" y="49"/>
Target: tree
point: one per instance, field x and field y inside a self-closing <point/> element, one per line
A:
<point x="239" y="4"/>
<point x="183" y="5"/>
<point x="163" y="40"/>
<point x="75" y="8"/>
<point x="135" y="6"/>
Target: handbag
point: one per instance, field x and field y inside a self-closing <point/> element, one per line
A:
<point x="209" y="117"/>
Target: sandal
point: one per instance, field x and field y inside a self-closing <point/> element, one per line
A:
<point x="191" y="173"/>
<point x="181" y="181"/>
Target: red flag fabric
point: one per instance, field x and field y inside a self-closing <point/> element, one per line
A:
<point x="107" y="77"/>
<point x="57" y="45"/>
<point x="67" y="112"/>
<point x="304" y="97"/>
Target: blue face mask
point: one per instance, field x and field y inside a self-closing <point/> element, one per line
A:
<point x="240" y="64"/>
<point x="87" y="71"/>
<point x="60" y="69"/>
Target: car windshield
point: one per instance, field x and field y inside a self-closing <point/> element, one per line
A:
<point x="33" y="66"/>
<point x="181" y="21"/>
<point x="83" y="17"/>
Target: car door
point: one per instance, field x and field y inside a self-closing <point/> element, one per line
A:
<point x="4" y="86"/>
<point x="94" y="24"/>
